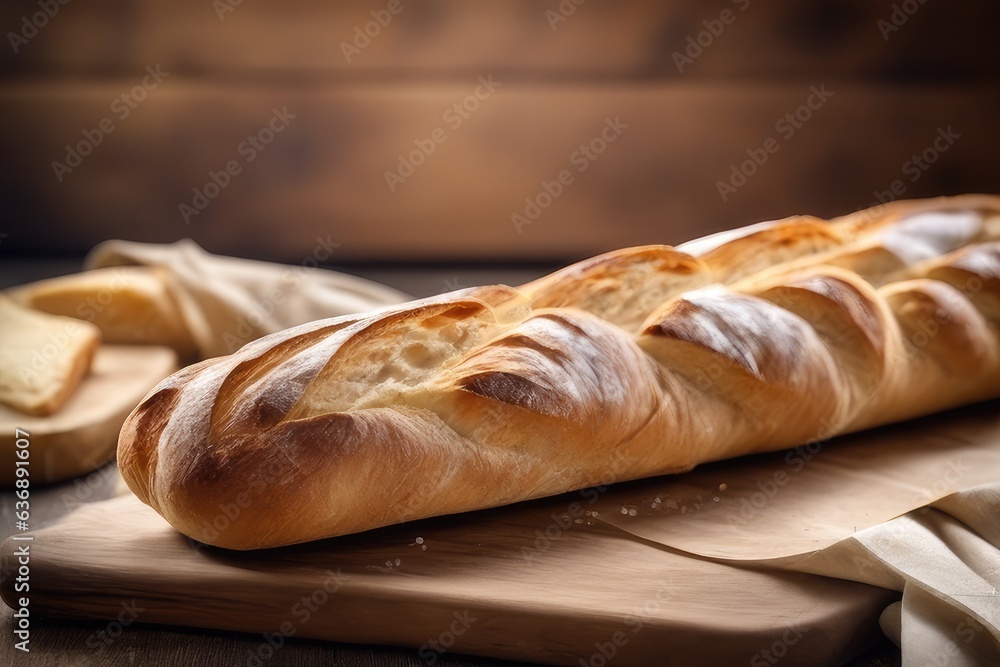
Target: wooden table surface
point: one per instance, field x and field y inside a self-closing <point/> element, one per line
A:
<point x="56" y="642"/>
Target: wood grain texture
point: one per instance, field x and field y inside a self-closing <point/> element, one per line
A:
<point x="324" y="175"/>
<point x="589" y="584"/>
<point x="600" y="38"/>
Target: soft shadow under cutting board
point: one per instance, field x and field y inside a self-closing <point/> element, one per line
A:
<point x="511" y="583"/>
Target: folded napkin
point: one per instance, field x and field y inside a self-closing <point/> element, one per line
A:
<point x="227" y="302"/>
<point x="945" y="559"/>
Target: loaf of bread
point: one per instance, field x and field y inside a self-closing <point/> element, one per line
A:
<point x="637" y="363"/>
<point x="43" y="358"/>
<point x="129" y="304"/>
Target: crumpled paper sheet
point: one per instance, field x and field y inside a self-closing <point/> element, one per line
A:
<point x="227" y="302"/>
<point x="913" y="508"/>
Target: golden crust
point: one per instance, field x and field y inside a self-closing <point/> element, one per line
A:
<point x="473" y="399"/>
<point x="621" y="286"/>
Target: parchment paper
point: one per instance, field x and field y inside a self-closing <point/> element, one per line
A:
<point x="799" y="501"/>
<point x="920" y="515"/>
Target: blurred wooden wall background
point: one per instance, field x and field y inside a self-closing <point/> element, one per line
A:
<point x="901" y="72"/>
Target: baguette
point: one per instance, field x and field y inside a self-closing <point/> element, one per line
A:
<point x="637" y="363"/>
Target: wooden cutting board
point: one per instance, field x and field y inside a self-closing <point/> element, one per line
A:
<point x="543" y="581"/>
<point x="83" y="434"/>
<point x="516" y="582"/>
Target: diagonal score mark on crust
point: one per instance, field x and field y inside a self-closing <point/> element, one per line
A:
<point x="932" y="234"/>
<point x="525" y="366"/>
<point x="974" y="271"/>
<point x="784" y="241"/>
<point x="185" y="438"/>
<point x="855" y="325"/>
<point x="621" y="286"/>
<point x="379" y="364"/>
<point x="607" y="390"/>
<point x="284" y="368"/>
<point x="741" y="328"/>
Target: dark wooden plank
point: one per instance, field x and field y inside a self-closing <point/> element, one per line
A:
<point x="520" y="38"/>
<point x="95" y="644"/>
<point x="324" y="176"/>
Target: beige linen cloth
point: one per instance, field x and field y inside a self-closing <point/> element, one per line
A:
<point x="227" y="302"/>
<point x="946" y="561"/>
